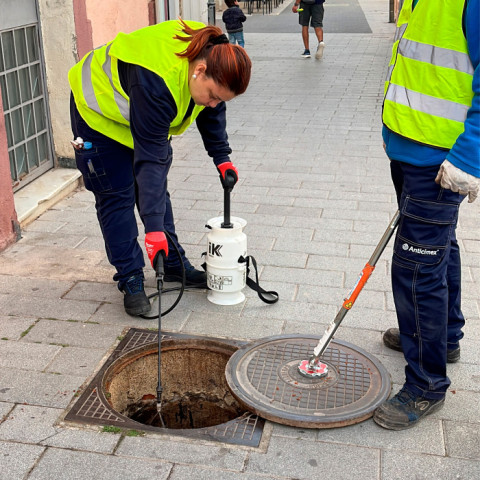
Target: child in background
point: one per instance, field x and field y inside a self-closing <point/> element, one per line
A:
<point x="233" y="17"/>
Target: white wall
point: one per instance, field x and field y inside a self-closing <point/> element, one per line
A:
<point x="59" y="43"/>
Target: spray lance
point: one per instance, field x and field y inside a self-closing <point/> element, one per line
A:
<point x="313" y="367"/>
<point x="159" y="274"/>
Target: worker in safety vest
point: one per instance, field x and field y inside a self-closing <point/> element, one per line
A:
<point x="431" y="116"/>
<point x="129" y="98"/>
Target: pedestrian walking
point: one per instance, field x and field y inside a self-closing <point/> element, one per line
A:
<point x="431" y="116"/>
<point x="233" y="17"/>
<point x="310" y="13"/>
<point x="129" y="97"/>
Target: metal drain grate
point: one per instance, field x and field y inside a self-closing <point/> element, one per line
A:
<point x="92" y="407"/>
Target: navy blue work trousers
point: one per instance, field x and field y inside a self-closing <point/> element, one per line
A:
<point x="107" y="171"/>
<point x="426" y="277"/>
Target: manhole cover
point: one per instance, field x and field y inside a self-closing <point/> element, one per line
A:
<point x="263" y="375"/>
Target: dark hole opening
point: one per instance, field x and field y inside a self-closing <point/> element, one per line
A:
<point x="195" y="391"/>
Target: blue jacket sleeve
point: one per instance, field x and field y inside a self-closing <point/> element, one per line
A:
<point x="211" y="124"/>
<point x="465" y="153"/>
<point x="152" y="109"/>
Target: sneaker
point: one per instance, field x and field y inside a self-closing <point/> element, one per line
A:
<point x="306" y="53"/>
<point x="193" y="277"/>
<point x="319" y="53"/>
<point x="135" y="300"/>
<point x="405" y="410"/>
<point x="391" y="338"/>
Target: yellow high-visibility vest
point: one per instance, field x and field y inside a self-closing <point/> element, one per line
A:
<point x="95" y="82"/>
<point x="428" y="90"/>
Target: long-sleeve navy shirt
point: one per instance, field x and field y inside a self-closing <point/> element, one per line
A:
<point x="152" y="109"/>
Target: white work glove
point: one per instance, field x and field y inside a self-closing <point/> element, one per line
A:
<point x="456" y="180"/>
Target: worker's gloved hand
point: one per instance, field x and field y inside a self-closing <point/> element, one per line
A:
<point x="228" y="174"/>
<point x="453" y="178"/>
<point x="156" y="244"/>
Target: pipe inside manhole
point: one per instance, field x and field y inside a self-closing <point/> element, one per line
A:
<point x="195" y="390"/>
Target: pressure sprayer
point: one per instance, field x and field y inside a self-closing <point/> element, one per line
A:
<point x="227" y="264"/>
<point x="314" y="367"/>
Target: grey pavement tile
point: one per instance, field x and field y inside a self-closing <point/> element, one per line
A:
<point x="292" y="311"/>
<point x="472" y="245"/>
<point x="298" y="433"/>
<point x="183" y="472"/>
<point x="461" y="406"/>
<point x="94" y="291"/>
<point x="278" y="259"/>
<point x="34" y="287"/>
<point x="76" y="334"/>
<point x="463" y="439"/>
<point x="54" y="263"/>
<point x="29" y="424"/>
<point x="185" y="452"/>
<point x="110" y="314"/>
<point x="327" y="247"/>
<point x="295" y="235"/>
<point x="35" y="388"/>
<point x="52" y="240"/>
<point x="17" y="459"/>
<point x="464" y="376"/>
<point x="307" y="213"/>
<point x="306" y="459"/>
<point x="395" y="365"/>
<point x="229" y="326"/>
<point x="5" y="409"/>
<point x="396" y="465"/>
<point x="303" y="276"/>
<point x="370" y="319"/>
<point x="43" y="226"/>
<point x="26" y="356"/>
<point x="88" y="441"/>
<point x="66" y="216"/>
<point x="12" y="327"/>
<point x="59" y="463"/>
<point x="427" y="438"/>
<point x="336" y="296"/>
<point x="76" y="361"/>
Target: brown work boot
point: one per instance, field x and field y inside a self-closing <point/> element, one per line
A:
<point x="391" y="338"/>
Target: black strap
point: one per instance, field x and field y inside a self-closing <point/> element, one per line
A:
<point x="254" y="284"/>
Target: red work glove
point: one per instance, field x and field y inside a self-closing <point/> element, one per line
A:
<point x="228" y="174"/>
<point x="155" y="244"/>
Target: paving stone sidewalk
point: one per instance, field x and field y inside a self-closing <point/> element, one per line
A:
<point x="316" y="193"/>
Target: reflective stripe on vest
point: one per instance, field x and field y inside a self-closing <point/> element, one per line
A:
<point x="428" y="89"/>
<point x="88" y="90"/>
<point x="427" y="104"/>
<point x="87" y="87"/>
<point x="440" y="57"/>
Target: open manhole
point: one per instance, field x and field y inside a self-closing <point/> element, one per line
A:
<point x="196" y="400"/>
<point x="265" y="379"/>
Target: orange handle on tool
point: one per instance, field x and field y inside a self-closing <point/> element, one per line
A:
<point x="355" y="292"/>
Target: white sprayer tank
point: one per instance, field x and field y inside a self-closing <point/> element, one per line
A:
<point x="226" y="276"/>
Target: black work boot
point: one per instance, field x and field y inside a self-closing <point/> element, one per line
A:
<point x="135" y="300"/>
<point x="193" y="277"/>
<point x="391" y="338"/>
<point x="405" y="410"/>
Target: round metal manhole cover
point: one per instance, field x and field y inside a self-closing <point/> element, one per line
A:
<point x="264" y="376"/>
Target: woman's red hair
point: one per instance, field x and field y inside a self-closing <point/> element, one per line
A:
<point x="227" y="64"/>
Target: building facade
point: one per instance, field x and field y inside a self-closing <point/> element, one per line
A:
<point x="40" y="40"/>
